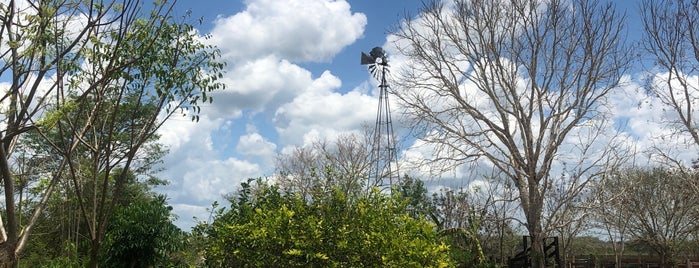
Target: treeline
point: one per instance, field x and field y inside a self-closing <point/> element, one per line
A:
<point x="307" y="216"/>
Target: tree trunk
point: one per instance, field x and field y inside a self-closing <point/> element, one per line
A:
<point x="533" y="209"/>
<point x="94" y="253"/>
<point x="537" y="248"/>
<point x="8" y="259"/>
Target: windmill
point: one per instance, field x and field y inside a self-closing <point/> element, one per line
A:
<point x="383" y="148"/>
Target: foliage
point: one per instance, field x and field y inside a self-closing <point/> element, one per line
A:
<point x="460" y="221"/>
<point x="95" y="81"/>
<point x="418" y="204"/>
<point x="141" y="234"/>
<point x="469" y="226"/>
<point x="267" y="227"/>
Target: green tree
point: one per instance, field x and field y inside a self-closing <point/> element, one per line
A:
<point x="459" y="219"/>
<point x="77" y="70"/>
<point x="267" y="227"/>
<point x="419" y="205"/>
<point x="141" y="234"/>
<point x="63" y="234"/>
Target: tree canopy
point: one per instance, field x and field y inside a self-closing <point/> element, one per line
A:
<point x="267" y="227"/>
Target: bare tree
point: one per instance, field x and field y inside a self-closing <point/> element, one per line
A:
<point x="343" y="164"/>
<point x="609" y="212"/>
<point x="498" y="233"/>
<point x="482" y="214"/>
<point x="671" y="40"/>
<point x="566" y="212"/>
<point x="657" y="207"/>
<point x="510" y="83"/>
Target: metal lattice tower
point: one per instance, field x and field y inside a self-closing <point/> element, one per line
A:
<point x="383" y="149"/>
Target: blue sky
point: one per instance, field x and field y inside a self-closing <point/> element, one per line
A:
<point x="293" y="76"/>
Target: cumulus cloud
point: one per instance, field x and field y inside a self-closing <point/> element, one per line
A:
<point x="210" y="179"/>
<point x="260" y="85"/>
<point x="298" y="30"/>
<point x="256" y="145"/>
<point x="262" y="42"/>
<point x="322" y="112"/>
<point x="262" y="46"/>
<point x="197" y="172"/>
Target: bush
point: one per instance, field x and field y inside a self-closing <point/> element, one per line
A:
<point x="331" y="230"/>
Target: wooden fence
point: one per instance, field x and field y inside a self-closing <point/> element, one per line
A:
<point x="627" y="262"/>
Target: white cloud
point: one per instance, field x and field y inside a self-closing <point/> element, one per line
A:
<point x="197" y="173"/>
<point x="179" y="131"/>
<point x="209" y="180"/>
<point x="186" y="213"/>
<point x="261" y="45"/>
<point x="259" y="85"/>
<point x="298" y="30"/>
<point x="321" y="112"/>
<point x="256" y="145"/>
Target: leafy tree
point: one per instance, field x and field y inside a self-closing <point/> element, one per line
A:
<point x="469" y="221"/>
<point x="77" y="68"/>
<point x="140" y="216"/>
<point x="419" y="205"/>
<point x="509" y="83"/>
<point x="141" y="234"/>
<point x="267" y="227"/>
<point x="459" y="218"/>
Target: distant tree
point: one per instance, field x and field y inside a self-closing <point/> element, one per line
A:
<point x="341" y="164"/>
<point x="419" y="205"/>
<point x="569" y="208"/>
<point x="511" y="83"/>
<point x="500" y="235"/>
<point x="460" y="217"/>
<point x="659" y="208"/>
<point x="273" y="228"/>
<point x="610" y="213"/>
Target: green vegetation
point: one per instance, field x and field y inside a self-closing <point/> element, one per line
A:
<point x="268" y="227"/>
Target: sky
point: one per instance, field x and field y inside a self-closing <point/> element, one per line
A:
<point x="293" y="75"/>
